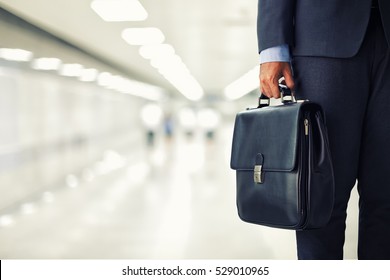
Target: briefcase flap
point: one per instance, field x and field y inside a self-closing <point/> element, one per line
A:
<point x="270" y="133"/>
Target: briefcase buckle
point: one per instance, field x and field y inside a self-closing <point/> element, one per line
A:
<point x="257" y="174"/>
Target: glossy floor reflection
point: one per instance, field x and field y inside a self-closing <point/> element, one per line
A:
<point x="172" y="201"/>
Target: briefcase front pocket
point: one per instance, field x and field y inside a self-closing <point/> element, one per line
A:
<point x="284" y="176"/>
<point x="275" y="203"/>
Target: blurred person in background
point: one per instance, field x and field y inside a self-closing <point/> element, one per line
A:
<point x="336" y="53"/>
<point x="168" y="126"/>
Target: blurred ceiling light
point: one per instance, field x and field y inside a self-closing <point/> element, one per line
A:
<point x="122" y="85"/>
<point x="88" y="175"/>
<point x="244" y="85"/>
<point x="163" y="58"/>
<point x="6" y="221"/>
<point x="139" y="89"/>
<point x="170" y="62"/>
<point x="187" y="118"/>
<point x="208" y="118"/>
<point x="112" y="160"/>
<point x="15" y="54"/>
<point x="46" y="63"/>
<point x="176" y="72"/>
<point x="151" y="115"/>
<point x="185" y="83"/>
<point x="88" y="75"/>
<point x="172" y="70"/>
<point x="48" y="197"/>
<point x="143" y="36"/>
<point x="151" y="94"/>
<point x="117" y="83"/>
<point x="128" y="86"/>
<point x="71" y="70"/>
<point x="119" y="10"/>
<point x="156" y="51"/>
<point x="72" y="181"/>
<point x="28" y="208"/>
<point x="189" y="87"/>
<point x="104" y="79"/>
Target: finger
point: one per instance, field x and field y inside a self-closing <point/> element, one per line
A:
<point x="270" y="87"/>
<point x="265" y="89"/>
<point x="264" y="85"/>
<point x="287" y="73"/>
<point x="274" y="87"/>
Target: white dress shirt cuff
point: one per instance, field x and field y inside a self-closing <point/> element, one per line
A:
<point x="278" y="53"/>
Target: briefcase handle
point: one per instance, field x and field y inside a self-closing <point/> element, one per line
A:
<point x="286" y="95"/>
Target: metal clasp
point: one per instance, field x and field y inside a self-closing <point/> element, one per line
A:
<point x="257" y="174"/>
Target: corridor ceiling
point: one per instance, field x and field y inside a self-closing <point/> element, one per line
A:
<point x="216" y="39"/>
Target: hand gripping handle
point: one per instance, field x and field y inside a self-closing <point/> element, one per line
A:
<point x="286" y="95"/>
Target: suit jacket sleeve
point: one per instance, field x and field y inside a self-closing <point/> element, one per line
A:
<point x="275" y="23"/>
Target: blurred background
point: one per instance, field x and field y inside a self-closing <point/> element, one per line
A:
<point x="116" y="120"/>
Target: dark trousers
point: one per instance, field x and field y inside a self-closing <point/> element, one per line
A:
<point x="355" y="94"/>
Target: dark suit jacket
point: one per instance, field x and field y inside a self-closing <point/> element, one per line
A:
<point x="331" y="28"/>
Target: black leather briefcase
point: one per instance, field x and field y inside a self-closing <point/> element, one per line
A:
<point x="283" y="165"/>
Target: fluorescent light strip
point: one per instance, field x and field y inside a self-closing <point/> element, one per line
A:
<point x="208" y="118"/>
<point x="6" y="221"/>
<point x="104" y="79"/>
<point x="244" y="85"/>
<point x="88" y="75"/>
<point x="46" y="63"/>
<point x="171" y="67"/>
<point x="140" y="89"/>
<point x="156" y="51"/>
<point x="128" y="86"/>
<point x="143" y="36"/>
<point x="71" y="70"/>
<point x="18" y="55"/>
<point x="176" y="72"/>
<point x="186" y="84"/>
<point x="119" y="10"/>
<point x="163" y="58"/>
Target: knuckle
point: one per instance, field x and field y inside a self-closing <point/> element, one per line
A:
<point x="264" y="79"/>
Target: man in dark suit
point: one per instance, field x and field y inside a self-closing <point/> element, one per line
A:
<point x="336" y="53"/>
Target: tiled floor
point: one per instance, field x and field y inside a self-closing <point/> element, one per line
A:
<point x="174" y="201"/>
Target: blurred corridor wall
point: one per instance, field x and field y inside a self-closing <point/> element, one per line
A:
<point x="50" y="125"/>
